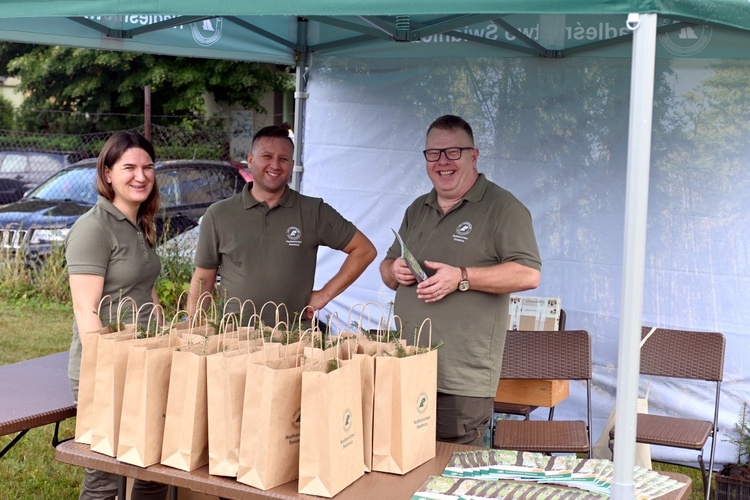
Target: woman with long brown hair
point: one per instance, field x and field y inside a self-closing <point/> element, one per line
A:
<point x="110" y="252"/>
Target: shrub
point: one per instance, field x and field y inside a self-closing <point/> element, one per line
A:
<point x="176" y="272"/>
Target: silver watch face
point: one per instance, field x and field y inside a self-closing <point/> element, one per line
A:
<point x="463" y="285"/>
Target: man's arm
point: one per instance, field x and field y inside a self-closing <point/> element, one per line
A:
<point x="360" y="254"/>
<point x="203" y="281"/>
<point x="507" y="277"/>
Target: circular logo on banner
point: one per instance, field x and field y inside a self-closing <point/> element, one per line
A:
<point x="293" y="233"/>
<point x="347" y="420"/>
<point x="686" y="41"/>
<point x="208" y="31"/>
<point x="422" y="402"/>
<point x="464" y="228"/>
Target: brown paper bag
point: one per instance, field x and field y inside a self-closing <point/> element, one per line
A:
<point x="384" y="338"/>
<point x="367" y="378"/>
<point x="85" y="406"/>
<point x="109" y="385"/>
<point x="270" y="432"/>
<point x="245" y="310"/>
<point x="203" y="322"/>
<point x="87" y="377"/>
<point x="185" y="445"/>
<point x="404" y="412"/>
<point x="226" y="373"/>
<point x="112" y="360"/>
<point x="331" y="455"/>
<point x="345" y="349"/>
<point x="144" y="401"/>
<point x="271" y="314"/>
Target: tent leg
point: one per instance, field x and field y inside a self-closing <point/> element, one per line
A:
<point x="300" y="95"/>
<point x="634" y="251"/>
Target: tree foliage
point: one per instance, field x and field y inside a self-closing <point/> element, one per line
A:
<point x="92" y="83"/>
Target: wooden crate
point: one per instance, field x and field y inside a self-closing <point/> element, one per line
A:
<point x="731" y="488"/>
<point x="532" y="392"/>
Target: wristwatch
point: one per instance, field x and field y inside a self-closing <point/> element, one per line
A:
<point x="463" y="285"/>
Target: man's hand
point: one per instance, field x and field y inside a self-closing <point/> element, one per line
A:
<point x="317" y="302"/>
<point x="360" y="254"/>
<point x="401" y="272"/>
<point x="441" y="284"/>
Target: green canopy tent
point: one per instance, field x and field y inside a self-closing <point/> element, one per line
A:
<point x="292" y="31"/>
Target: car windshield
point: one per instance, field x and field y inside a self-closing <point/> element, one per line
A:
<point x="78" y="184"/>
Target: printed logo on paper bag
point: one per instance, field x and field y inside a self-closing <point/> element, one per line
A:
<point x="347" y="420"/>
<point x="293" y="438"/>
<point x="296" y="418"/>
<point x="422" y="402"/>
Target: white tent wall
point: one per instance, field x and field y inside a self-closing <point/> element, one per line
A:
<point x="554" y="133"/>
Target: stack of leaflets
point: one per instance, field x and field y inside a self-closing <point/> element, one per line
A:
<point x="454" y="488"/>
<point x="476" y="475"/>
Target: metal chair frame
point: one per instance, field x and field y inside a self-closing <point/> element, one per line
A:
<point x="682" y="354"/>
<point x="553" y="354"/>
<point x="519" y="409"/>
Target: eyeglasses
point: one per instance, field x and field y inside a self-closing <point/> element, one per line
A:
<point x="450" y="153"/>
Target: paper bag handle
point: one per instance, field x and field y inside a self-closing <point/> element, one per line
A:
<point x="133" y="309"/>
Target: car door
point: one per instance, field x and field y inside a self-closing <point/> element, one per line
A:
<point x="175" y="215"/>
<point x="188" y="189"/>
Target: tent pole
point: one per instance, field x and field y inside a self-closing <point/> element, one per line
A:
<point x="633" y="269"/>
<point x="300" y="96"/>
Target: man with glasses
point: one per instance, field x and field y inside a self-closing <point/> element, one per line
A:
<point x="476" y="242"/>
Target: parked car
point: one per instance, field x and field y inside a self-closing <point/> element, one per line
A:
<point x="244" y="170"/>
<point x="21" y="171"/>
<point x="44" y="216"/>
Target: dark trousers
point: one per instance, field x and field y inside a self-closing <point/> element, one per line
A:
<point x="463" y="419"/>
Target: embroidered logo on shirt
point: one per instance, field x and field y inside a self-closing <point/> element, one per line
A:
<point x="464" y="228"/>
<point x="293" y="235"/>
<point x="462" y="231"/>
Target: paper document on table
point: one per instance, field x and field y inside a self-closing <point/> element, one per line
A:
<point x="411" y="262"/>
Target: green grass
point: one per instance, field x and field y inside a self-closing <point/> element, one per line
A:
<point x="36" y="328"/>
<point x="29" y="470"/>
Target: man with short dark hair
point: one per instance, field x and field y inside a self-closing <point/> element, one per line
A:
<point x="477" y="244"/>
<point x="264" y="241"/>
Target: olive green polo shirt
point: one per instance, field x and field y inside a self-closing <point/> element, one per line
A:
<point x="105" y="243"/>
<point x="488" y="226"/>
<point x="269" y="254"/>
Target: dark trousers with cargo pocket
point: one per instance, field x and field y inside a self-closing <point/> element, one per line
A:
<point x="463" y="419"/>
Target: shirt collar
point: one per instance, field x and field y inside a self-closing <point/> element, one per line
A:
<point x="111" y="209"/>
<point x="473" y="195"/>
<point x="248" y="201"/>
